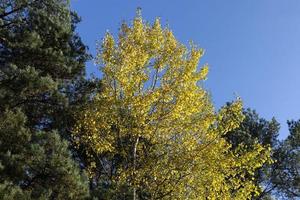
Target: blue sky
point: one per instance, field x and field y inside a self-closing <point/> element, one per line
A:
<point x="251" y="46"/>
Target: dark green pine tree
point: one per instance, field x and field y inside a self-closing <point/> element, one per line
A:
<point x="284" y="181"/>
<point x="36" y="165"/>
<point x="42" y="63"/>
<point x="281" y="179"/>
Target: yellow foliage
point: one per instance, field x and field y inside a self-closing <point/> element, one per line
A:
<point x="154" y="114"/>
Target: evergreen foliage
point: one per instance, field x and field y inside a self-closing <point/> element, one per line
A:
<point x="40" y="58"/>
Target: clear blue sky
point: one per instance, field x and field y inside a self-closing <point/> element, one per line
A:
<point x="252" y="46"/>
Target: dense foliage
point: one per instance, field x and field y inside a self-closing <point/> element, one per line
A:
<point x="153" y="128"/>
<point x="39" y="56"/>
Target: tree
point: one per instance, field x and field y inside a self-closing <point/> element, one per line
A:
<point x="41" y="58"/>
<point x="280" y="178"/>
<point x="40" y="53"/>
<point x="284" y="179"/>
<point x="152" y="133"/>
<point x="37" y="165"/>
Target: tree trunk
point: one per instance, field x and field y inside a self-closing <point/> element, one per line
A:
<point x="134" y="167"/>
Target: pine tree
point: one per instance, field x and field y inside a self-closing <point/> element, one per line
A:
<point x="41" y="57"/>
<point x="40" y="52"/>
<point x="37" y="164"/>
